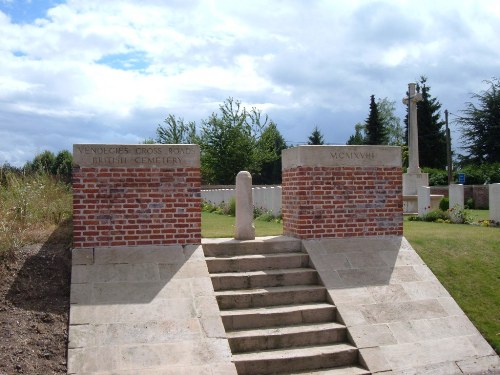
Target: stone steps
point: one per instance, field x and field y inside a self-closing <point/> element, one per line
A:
<point x="270" y="296"/>
<point x="270" y="245"/>
<point x="235" y="319"/>
<point x="277" y="315"/>
<point x="257" y="262"/>
<point x="300" y="359"/>
<point x="342" y="370"/>
<point x="286" y="337"/>
<point x="261" y="279"/>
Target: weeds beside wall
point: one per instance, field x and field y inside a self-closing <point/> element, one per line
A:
<point x="29" y="206"/>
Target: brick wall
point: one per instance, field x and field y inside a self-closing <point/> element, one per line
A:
<point x="341" y="200"/>
<point x="136" y="205"/>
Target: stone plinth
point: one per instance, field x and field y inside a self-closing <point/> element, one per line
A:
<point x="410" y="203"/>
<point x="136" y="195"/>
<point x="342" y="191"/>
<point x="412" y="181"/>
<point x="494" y="193"/>
<point x="244" y="230"/>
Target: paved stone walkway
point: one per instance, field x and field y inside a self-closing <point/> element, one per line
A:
<point x="145" y="311"/>
<point x="397" y="312"/>
<point x="152" y="311"/>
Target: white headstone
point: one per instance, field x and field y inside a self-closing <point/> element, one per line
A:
<point x="245" y="229"/>
<point x="456" y="196"/>
<point x="494" y="198"/>
<point x="424" y="200"/>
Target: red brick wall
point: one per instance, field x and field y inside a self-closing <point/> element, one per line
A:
<point x="136" y="206"/>
<point x="321" y="202"/>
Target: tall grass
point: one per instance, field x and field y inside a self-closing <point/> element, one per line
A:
<point x="29" y="206"/>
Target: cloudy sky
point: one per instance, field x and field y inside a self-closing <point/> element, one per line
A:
<point x="95" y="71"/>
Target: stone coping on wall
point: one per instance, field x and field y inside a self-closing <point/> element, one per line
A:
<point x="136" y="155"/>
<point x="335" y="156"/>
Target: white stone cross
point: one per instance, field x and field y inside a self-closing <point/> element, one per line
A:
<point x="413" y="97"/>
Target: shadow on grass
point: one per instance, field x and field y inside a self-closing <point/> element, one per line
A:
<point x="43" y="282"/>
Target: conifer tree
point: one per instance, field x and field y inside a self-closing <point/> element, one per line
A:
<point x="316" y="138"/>
<point x="375" y="132"/>
<point x="431" y="132"/>
<point x="480" y="126"/>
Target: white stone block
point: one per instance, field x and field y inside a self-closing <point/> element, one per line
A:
<point x="424" y="200"/>
<point x="494" y="197"/>
<point x="456" y="194"/>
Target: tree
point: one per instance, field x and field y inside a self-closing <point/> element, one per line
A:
<point x="316" y="138"/>
<point x="267" y="156"/>
<point x="375" y="132"/>
<point x="390" y="122"/>
<point x="431" y="133"/>
<point x="42" y="163"/>
<point x="63" y="165"/>
<point x="227" y="140"/>
<point x="358" y="138"/>
<point x="176" y="131"/>
<point x="480" y="126"/>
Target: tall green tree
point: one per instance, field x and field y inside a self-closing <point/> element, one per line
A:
<point x="375" y="132"/>
<point x="227" y="139"/>
<point x="42" y="163"/>
<point x="267" y="156"/>
<point x="63" y="165"/>
<point x="176" y="131"/>
<point x="431" y="131"/>
<point x="316" y="138"/>
<point x="390" y="122"/>
<point x="358" y="138"/>
<point x="480" y="126"/>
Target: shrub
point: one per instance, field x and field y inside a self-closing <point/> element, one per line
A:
<point x="469" y="203"/>
<point x="435" y="215"/>
<point x="437" y="177"/>
<point x="444" y="204"/>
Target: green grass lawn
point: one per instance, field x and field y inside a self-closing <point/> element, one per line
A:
<point x="465" y="259"/>
<point x="215" y="226"/>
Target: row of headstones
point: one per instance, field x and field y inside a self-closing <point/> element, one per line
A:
<point x="456" y="201"/>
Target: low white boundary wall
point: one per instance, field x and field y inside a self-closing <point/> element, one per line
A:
<point x="266" y="198"/>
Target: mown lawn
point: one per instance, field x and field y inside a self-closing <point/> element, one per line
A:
<point x="465" y="259"/>
<point x="215" y="226"/>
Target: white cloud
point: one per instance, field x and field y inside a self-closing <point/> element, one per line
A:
<point x="111" y="70"/>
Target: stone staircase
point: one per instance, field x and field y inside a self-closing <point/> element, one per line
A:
<point x="277" y="315"/>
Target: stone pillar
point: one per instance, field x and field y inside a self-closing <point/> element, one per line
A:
<point x="456" y="196"/>
<point x="136" y="195"/>
<point x="494" y="198"/>
<point x="424" y="200"/>
<point x="244" y="229"/>
<point x="342" y="191"/>
<point x="413" y="98"/>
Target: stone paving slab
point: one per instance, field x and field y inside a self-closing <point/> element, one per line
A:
<point x="145" y="310"/>
<point x="396" y="311"/>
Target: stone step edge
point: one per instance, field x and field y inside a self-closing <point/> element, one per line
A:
<point x="276" y="309"/>
<point x="256" y="256"/>
<point x="269" y="290"/>
<point x="284" y="330"/>
<point x="270" y="244"/>
<point x="270" y="272"/>
<point x="296" y="352"/>
<point x="342" y="370"/>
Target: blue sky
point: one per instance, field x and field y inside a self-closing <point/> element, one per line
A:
<point x="91" y="71"/>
